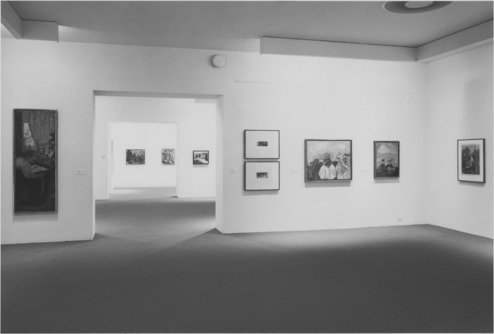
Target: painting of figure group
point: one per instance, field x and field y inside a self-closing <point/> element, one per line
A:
<point x="136" y="157"/>
<point x="35" y="161"/>
<point x="168" y="156"/>
<point x="386" y="159"/>
<point x="328" y="160"/>
<point x="470" y="159"/>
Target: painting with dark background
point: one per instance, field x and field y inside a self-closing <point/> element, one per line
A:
<point x="135" y="157"/>
<point x="35" y="160"/>
<point x="386" y="159"/>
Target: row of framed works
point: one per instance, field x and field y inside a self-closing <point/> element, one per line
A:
<point x="138" y="157"/>
<point x="331" y="160"/>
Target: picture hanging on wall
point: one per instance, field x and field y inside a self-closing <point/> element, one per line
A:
<point x="471" y="160"/>
<point x="328" y="160"/>
<point x="386" y="159"/>
<point x="35" y="160"/>
<point x="261" y="144"/>
<point x="200" y="157"/>
<point x="168" y="156"/>
<point x="261" y="175"/>
<point x="136" y="157"/>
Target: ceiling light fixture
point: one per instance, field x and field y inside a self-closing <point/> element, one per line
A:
<point x="413" y="7"/>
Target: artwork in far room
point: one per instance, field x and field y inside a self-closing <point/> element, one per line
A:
<point x="261" y="175"/>
<point x="35" y="160"/>
<point x="200" y="157"/>
<point x="136" y="157"/>
<point x="168" y="156"/>
<point x="261" y="144"/>
<point x="386" y="159"/>
<point x="328" y="160"/>
<point x="471" y="160"/>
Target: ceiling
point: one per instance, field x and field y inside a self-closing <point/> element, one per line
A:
<point x="238" y="25"/>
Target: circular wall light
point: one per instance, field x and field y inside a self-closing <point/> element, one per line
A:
<point x="413" y="7"/>
<point x="218" y="61"/>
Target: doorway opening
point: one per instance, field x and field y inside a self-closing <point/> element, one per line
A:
<point x="143" y="161"/>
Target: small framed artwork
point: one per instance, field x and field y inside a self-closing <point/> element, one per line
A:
<point x="328" y="160"/>
<point x="261" y="144"/>
<point x="261" y="175"/>
<point x="168" y="156"/>
<point x="136" y="157"/>
<point x="200" y="157"/>
<point x="471" y="160"/>
<point x="35" y="161"/>
<point x="386" y="159"/>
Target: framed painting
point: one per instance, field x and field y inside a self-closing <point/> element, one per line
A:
<point x="471" y="160"/>
<point x="135" y="157"/>
<point x="261" y="175"/>
<point x="200" y="157"/>
<point x="328" y="160"/>
<point x="261" y="144"/>
<point x="168" y="156"/>
<point x="386" y="159"/>
<point x="35" y="160"/>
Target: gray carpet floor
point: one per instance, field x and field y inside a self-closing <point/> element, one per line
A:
<point x="158" y="265"/>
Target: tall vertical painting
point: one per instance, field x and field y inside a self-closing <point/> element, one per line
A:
<point x="35" y="160"/>
<point x="471" y="160"/>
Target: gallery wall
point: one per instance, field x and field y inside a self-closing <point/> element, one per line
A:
<point x="304" y="98"/>
<point x="195" y="122"/>
<point x="152" y="138"/>
<point x="460" y="106"/>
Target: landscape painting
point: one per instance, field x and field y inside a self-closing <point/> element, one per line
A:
<point x="386" y="159"/>
<point x="200" y="157"/>
<point x="471" y="160"/>
<point x="168" y="156"/>
<point x="35" y="160"/>
<point x="136" y="157"/>
<point x="328" y="160"/>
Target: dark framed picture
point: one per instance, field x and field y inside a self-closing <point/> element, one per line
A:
<point x="261" y="144"/>
<point x="471" y="160"/>
<point x="200" y="157"/>
<point x="386" y="159"/>
<point x="261" y="175"/>
<point x="35" y="160"/>
<point x="135" y="157"/>
<point x="168" y="156"/>
<point x="328" y="160"/>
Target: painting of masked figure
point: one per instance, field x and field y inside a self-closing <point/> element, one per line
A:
<point x="168" y="156"/>
<point x="328" y="160"/>
<point x="386" y="159"/>
<point x="471" y="160"/>
<point x="35" y="160"/>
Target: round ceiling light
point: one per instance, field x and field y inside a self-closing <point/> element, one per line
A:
<point x="413" y="7"/>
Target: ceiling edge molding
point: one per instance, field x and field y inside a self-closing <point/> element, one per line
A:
<point x="310" y="48"/>
<point x="461" y="41"/>
<point x="11" y="20"/>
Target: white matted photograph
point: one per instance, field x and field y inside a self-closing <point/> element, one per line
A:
<point x="261" y="144"/>
<point x="261" y="175"/>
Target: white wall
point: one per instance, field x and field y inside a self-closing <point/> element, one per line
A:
<point x="302" y="97"/>
<point x="196" y="130"/>
<point x="460" y="107"/>
<point x="150" y="137"/>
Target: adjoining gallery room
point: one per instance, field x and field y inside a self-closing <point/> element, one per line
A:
<point x="247" y="167"/>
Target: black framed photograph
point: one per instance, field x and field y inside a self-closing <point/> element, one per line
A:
<point x="471" y="160"/>
<point x="200" y="157"/>
<point x="261" y="175"/>
<point x="35" y="160"/>
<point x="168" y="156"/>
<point x="328" y="160"/>
<point x="135" y="157"/>
<point x="386" y="159"/>
<point x="261" y="144"/>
